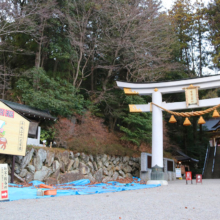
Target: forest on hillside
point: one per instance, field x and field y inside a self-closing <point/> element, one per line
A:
<point x="65" y="56"/>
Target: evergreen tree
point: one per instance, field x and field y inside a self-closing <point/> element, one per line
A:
<point x="212" y="13"/>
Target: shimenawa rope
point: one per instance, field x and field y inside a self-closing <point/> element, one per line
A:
<point x="188" y="114"/>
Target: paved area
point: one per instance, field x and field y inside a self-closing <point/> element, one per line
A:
<point x="175" y="201"/>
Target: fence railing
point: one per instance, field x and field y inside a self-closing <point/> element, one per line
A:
<point x="213" y="165"/>
<point x="206" y="158"/>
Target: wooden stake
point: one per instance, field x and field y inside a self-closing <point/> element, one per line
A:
<point x="13" y="169"/>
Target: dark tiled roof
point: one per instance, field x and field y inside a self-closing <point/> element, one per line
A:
<point x="211" y="124"/>
<point x="183" y="157"/>
<point x="28" y="111"/>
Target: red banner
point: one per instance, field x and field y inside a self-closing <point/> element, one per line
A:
<point x="188" y="175"/>
<point x="198" y="178"/>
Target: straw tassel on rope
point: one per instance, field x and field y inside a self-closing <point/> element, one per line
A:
<point x="187" y="122"/>
<point x="201" y="121"/>
<point x="215" y="114"/>
<point x="189" y="114"/>
<point x="172" y="119"/>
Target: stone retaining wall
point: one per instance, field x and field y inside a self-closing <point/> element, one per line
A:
<point x="61" y="167"/>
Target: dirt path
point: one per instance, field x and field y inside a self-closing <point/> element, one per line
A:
<point x="175" y="201"/>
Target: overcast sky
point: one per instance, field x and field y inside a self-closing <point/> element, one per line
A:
<point x="168" y="3"/>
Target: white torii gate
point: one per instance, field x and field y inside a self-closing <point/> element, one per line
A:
<point x="156" y="90"/>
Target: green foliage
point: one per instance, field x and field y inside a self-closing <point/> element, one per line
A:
<point x="136" y="126"/>
<point x="212" y="13"/>
<point x="91" y="44"/>
<point x="48" y="134"/>
<point x="191" y="139"/>
<point x="53" y="94"/>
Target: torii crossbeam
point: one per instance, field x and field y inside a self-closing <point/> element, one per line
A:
<point x="156" y="90"/>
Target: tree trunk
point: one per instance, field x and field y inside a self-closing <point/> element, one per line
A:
<point x="195" y="131"/>
<point x="55" y="67"/>
<point x="200" y="54"/>
<point x="37" y="58"/>
<point x="112" y="122"/>
<point x="185" y="139"/>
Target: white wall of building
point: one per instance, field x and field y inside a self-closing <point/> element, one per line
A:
<point x="35" y="141"/>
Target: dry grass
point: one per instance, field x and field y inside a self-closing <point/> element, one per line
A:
<point x="91" y="136"/>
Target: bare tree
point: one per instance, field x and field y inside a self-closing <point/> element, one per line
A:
<point x="135" y="44"/>
<point x="117" y="37"/>
<point x="17" y="17"/>
<point x="81" y="19"/>
<point x="29" y="18"/>
<point x="5" y="80"/>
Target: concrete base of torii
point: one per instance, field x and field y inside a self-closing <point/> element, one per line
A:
<point x="157" y="176"/>
<point x="162" y="182"/>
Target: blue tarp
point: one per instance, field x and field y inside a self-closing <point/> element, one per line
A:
<point x="79" y="187"/>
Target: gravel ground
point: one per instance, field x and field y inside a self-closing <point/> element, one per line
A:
<point x="175" y="201"/>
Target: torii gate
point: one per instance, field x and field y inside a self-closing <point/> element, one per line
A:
<point x="156" y="89"/>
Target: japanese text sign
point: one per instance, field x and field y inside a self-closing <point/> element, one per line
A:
<point x="3" y="182"/>
<point x="198" y="178"/>
<point x="192" y="95"/>
<point x="188" y="175"/>
<point x="13" y="131"/>
<point x="178" y="173"/>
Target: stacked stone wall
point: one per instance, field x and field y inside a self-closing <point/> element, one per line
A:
<point x="61" y="167"/>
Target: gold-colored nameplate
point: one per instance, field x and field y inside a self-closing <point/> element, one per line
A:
<point x="128" y="91"/>
<point x="133" y="108"/>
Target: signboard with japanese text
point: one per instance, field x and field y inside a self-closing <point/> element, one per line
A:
<point x="192" y="95"/>
<point x="188" y="175"/>
<point x="178" y="173"/>
<point x="198" y="178"/>
<point x="3" y="182"/>
<point x="13" y="131"/>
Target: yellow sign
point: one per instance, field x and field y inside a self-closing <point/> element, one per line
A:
<point x="13" y="131"/>
<point x="192" y="95"/>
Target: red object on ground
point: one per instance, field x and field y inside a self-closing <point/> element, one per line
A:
<point x="51" y="192"/>
<point x="198" y="178"/>
<point x="45" y="186"/>
<point x="189" y="175"/>
<point x="4" y="194"/>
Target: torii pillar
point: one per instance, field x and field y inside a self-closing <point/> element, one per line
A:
<point x="156" y="90"/>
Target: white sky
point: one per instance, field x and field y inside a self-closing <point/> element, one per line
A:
<point x="168" y="3"/>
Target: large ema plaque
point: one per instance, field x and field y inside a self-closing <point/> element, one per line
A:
<point x="13" y="131"/>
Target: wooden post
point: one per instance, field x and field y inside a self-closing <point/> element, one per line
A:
<point x="13" y="169"/>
